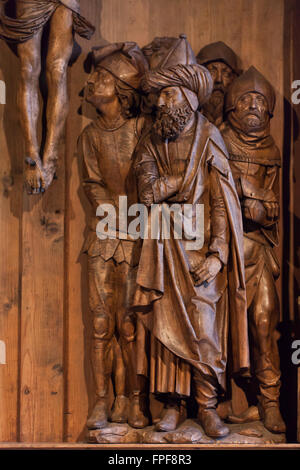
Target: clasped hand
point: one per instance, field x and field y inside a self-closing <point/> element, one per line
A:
<point x="207" y="271"/>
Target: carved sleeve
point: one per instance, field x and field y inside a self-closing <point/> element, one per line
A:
<point x="272" y="181"/>
<point x="92" y="180"/>
<point x="220" y="235"/>
<point x="151" y="187"/>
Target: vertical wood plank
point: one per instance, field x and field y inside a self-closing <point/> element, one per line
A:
<point x="41" y="388"/>
<point x="78" y="379"/>
<point x="10" y="216"/>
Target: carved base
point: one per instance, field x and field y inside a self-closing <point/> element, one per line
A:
<point x="189" y="432"/>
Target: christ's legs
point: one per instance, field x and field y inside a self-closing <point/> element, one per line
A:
<point x="59" y="53"/>
<point x="28" y="101"/>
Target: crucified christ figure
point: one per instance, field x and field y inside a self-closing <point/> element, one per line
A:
<point x="26" y="30"/>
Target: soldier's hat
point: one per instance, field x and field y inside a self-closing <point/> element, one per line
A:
<point x="218" y="52"/>
<point x="173" y="51"/>
<point x="124" y="60"/>
<point x="250" y="81"/>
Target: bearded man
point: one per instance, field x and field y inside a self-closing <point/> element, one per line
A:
<point x="255" y="162"/>
<point x="26" y="30"/>
<point x="221" y="61"/>
<point x="182" y="293"/>
<point x="106" y="146"/>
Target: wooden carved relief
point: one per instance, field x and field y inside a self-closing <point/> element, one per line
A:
<point x="181" y="183"/>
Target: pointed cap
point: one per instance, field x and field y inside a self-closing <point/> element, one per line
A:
<point x="218" y="52"/>
<point x="250" y="81"/>
<point x="166" y="52"/>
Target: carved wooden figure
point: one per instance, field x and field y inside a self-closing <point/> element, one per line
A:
<point x="106" y="147"/>
<point x="26" y="30"/>
<point x="221" y="61"/>
<point x="255" y="162"/>
<point x="182" y="294"/>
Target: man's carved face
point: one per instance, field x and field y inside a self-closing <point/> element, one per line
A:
<point x="252" y="112"/>
<point x="222" y="75"/>
<point x="173" y="113"/>
<point x="100" y="87"/>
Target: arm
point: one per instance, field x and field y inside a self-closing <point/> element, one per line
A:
<point x="92" y="180"/>
<point x="151" y="187"/>
<point x="220" y="235"/>
<point x="261" y="204"/>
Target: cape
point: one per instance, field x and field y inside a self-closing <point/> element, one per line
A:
<point x="165" y="290"/>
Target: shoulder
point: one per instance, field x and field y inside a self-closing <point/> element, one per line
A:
<point x="88" y="131"/>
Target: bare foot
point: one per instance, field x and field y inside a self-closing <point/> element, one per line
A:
<point x="34" y="176"/>
<point x="49" y="170"/>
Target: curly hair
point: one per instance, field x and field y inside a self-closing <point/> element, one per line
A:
<point x="129" y="98"/>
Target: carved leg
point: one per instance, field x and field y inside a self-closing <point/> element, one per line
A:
<point x="28" y="101"/>
<point x="101" y="300"/>
<point x="206" y="397"/>
<point x="59" y="53"/>
<point x="120" y="407"/>
<point x="264" y="315"/>
<point x="138" y="414"/>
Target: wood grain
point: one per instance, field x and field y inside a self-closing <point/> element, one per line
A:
<point x="44" y="320"/>
<point x="10" y="216"/>
<point x="41" y="367"/>
<point x="242" y="25"/>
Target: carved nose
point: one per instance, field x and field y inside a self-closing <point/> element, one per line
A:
<point x="219" y="77"/>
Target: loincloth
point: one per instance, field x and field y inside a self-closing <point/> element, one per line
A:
<point x="34" y="15"/>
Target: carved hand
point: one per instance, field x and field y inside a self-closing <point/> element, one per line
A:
<point x="272" y="209"/>
<point x="207" y="271"/>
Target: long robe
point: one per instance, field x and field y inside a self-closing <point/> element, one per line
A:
<point x="188" y="321"/>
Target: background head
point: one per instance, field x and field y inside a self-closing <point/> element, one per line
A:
<point x="250" y="101"/>
<point x="222" y="62"/>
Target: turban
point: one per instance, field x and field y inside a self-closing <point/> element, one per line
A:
<point x="194" y="80"/>
<point x="124" y="60"/>
<point x="250" y="81"/>
<point x="218" y="52"/>
<point x="172" y="51"/>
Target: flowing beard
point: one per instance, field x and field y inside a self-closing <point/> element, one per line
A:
<point x="215" y="106"/>
<point x="170" y="122"/>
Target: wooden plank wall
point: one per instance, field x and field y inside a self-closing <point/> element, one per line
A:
<point x="46" y="386"/>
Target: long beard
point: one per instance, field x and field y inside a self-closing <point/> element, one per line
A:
<point x="214" y="108"/>
<point x="170" y="122"/>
